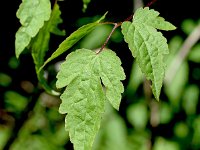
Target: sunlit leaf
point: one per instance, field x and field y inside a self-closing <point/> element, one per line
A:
<point x="32" y="14"/>
<point x="148" y="45"/>
<point x="190" y="99"/>
<point x="84" y="98"/>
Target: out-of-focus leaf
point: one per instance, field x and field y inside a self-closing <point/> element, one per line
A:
<point x="112" y="134"/>
<point x="5" y="79"/>
<point x="188" y="26"/>
<point x="14" y="101"/>
<point x="13" y="62"/>
<point x="85" y="4"/>
<point x="196" y="128"/>
<point x="163" y="144"/>
<point x="174" y="90"/>
<point x="5" y="133"/>
<point x="139" y="140"/>
<point x="174" y="45"/>
<point x="115" y="134"/>
<point x="190" y="99"/>
<point x="194" y="54"/>
<point x="137" y="115"/>
<point x="165" y="113"/>
<point x="181" y="129"/>
<point x="136" y="78"/>
<point x="34" y="142"/>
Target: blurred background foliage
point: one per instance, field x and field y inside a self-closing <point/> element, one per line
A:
<point x="29" y="117"/>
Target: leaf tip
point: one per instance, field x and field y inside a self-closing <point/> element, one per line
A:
<point x="103" y="17"/>
<point x="157" y="99"/>
<point x="17" y="54"/>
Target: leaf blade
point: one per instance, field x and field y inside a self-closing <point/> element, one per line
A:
<point x="111" y="75"/>
<point x="148" y="45"/>
<point x="32" y="15"/>
<point x="84" y="98"/>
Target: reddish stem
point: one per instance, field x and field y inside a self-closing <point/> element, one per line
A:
<point x="150" y="3"/>
<point x="116" y="25"/>
<point x="108" y="38"/>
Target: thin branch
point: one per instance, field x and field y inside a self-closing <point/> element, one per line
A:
<point x="107" y="23"/>
<point x="182" y="54"/>
<point x="116" y="25"/>
<point x="108" y="38"/>
<point x="151" y="3"/>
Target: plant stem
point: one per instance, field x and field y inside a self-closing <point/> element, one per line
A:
<point x="108" y="38"/>
<point x="116" y="25"/>
<point x="151" y="3"/>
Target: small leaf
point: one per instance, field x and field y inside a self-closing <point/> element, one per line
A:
<point x="84" y="98"/>
<point x="73" y="39"/>
<point x="148" y="45"/>
<point x="32" y="14"/>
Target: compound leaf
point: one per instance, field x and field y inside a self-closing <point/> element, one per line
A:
<point x="148" y="45"/>
<point x="32" y="14"/>
<point x="84" y="98"/>
<point x="73" y="39"/>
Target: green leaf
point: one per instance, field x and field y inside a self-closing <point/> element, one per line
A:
<point x="73" y="39"/>
<point x="84" y="98"/>
<point x="40" y="44"/>
<point x="194" y="54"/>
<point x="85" y="4"/>
<point x="148" y="45"/>
<point x="32" y="14"/>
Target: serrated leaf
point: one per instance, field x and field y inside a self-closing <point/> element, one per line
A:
<point x="148" y="45"/>
<point x="73" y="39"/>
<point x="32" y="14"/>
<point x="84" y="98"/>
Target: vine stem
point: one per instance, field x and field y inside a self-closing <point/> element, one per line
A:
<point x="116" y="25"/>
